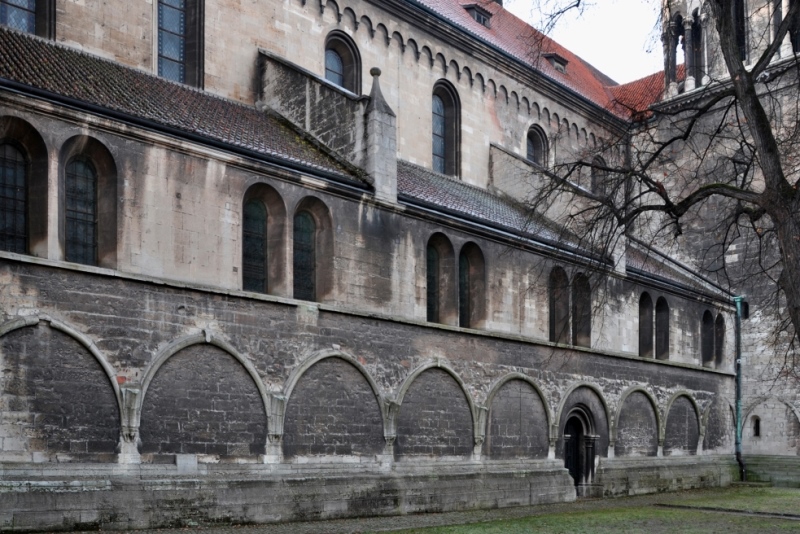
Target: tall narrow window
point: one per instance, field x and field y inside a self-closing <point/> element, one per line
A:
<point x="645" y="326"/>
<point x="537" y="147"/>
<point x="777" y="16"/>
<point x="740" y="27"/>
<point x="342" y="62"/>
<point x="599" y="177"/>
<point x="81" y="212"/>
<point x="305" y="256"/>
<point x="662" y="329"/>
<point x="581" y="311"/>
<point x="254" y="247"/>
<point x="707" y="339"/>
<point x="445" y="129"/>
<point x="756" y="426"/>
<point x="464" y="297"/>
<point x="180" y="45"/>
<point x="19" y="14"/>
<point x="13" y="200"/>
<point x="559" y="305"/>
<point x="433" y="284"/>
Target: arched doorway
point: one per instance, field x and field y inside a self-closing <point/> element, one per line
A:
<point x="579" y="448"/>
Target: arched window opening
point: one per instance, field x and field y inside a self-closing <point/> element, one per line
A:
<point x="599" y="177"/>
<point x="581" y="311"/>
<point x="675" y="48"/>
<point x="342" y="62"/>
<point x="433" y="283"/>
<point x="180" y="41"/>
<point x="645" y="326"/>
<point x="719" y="341"/>
<point x="464" y="311"/>
<point x="305" y="256"/>
<point x="558" y="292"/>
<point x="697" y="65"/>
<point x="756" y="426"/>
<point x="81" y="211"/>
<point x="445" y="129"/>
<point x="254" y="247"/>
<point x="662" y="329"/>
<point x="707" y="339"/>
<point x="740" y="28"/>
<point x="13" y="200"/>
<point x="537" y="147"/>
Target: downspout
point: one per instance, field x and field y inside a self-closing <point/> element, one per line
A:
<point x="740" y="310"/>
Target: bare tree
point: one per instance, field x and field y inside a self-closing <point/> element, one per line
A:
<point x="721" y="160"/>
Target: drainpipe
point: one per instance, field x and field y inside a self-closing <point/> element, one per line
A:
<point x="742" y="312"/>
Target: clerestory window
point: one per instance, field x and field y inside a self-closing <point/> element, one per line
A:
<point x="30" y="16"/>
<point x="180" y="44"/>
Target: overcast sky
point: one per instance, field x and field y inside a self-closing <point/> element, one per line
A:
<point x="616" y="36"/>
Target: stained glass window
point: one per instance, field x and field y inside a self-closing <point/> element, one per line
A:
<point x="81" y="212"/>
<point x="18" y="14"/>
<point x="305" y="256"/>
<point x="254" y="247"/>
<point x="13" y="196"/>
<point x="172" y="39"/>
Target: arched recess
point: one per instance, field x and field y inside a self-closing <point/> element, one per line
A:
<point x="435" y="415"/>
<point x="518" y="422"/>
<point x="199" y="338"/>
<point x="333" y="407"/>
<point x="558" y="296"/>
<point x="681" y="426"/>
<point x="707" y="339"/>
<point x="199" y="396"/>
<point x="440" y="271"/>
<point x="590" y="399"/>
<point x="446" y="129"/>
<point x="316" y="269"/>
<point x="719" y="427"/>
<point x="342" y="61"/>
<point x="89" y="149"/>
<point x="645" y="326"/>
<point x="581" y="311"/>
<point x="273" y="265"/>
<point x="22" y="136"/>
<point x="471" y="287"/>
<point x="637" y="424"/>
<point x="65" y="386"/>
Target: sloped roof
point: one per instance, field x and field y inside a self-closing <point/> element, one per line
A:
<point x="634" y="98"/>
<point x="642" y="257"/>
<point x="57" y="69"/>
<point x="517" y="38"/>
<point x="460" y="198"/>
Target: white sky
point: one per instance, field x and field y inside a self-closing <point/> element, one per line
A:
<point x="612" y="35"/>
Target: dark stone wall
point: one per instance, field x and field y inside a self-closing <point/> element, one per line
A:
<point x="589" y="402"/>
<point x="67" y="400"/>
<point x="202" y="401"/>
<point x="517" y="423"/>
<point x="682" y="430"/>
<point x="332" y="410"/>
<point x="637" y="433"/>
<point x="720" y="429"/>
<point x="435" y="418"/>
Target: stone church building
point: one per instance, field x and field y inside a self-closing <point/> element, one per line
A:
<point x="271" y="260"/>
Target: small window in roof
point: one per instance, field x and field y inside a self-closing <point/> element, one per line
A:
<point x="479" y="14"/>
<point x="558" y="62"/>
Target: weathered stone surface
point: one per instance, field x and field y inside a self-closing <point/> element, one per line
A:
<point x="517" y="423"/>
<point x="682" y="429"/>
<point x="637" y="430"/>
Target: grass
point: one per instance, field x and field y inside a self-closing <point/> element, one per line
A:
<point x="763" y="500"/>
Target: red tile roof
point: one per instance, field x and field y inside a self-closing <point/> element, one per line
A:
<point x="517" y="38"/>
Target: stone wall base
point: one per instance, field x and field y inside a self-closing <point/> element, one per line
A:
<point x="636" y="476"/>
<point x="109" y="497"/>
<point x="782" y="471"/>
